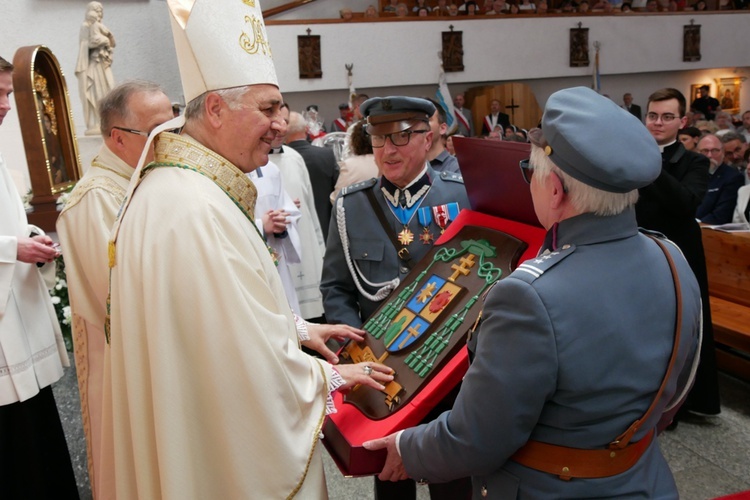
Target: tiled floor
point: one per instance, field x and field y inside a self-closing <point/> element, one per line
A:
<point x="709" y="457"/>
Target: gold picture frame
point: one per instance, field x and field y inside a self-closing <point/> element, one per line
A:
<point x="47" y="129"/>
<point x="728" y="94"/>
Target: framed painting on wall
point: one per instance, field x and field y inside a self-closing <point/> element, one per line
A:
<point x="47" y="129"/>
<point x="729" y="94"/>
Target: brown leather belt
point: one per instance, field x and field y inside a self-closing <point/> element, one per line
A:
<point x="568" y="463"/>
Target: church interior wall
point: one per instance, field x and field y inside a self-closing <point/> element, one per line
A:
<point x="638" y="54"/>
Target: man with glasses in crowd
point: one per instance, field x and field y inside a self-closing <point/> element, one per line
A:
<point x="669" y="205"/>
<point x="724" y="180"/>
<point x="381" y="227"/>
<point x="126" y="116"/>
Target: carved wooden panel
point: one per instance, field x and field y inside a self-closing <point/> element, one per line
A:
<point x="453" y="51"/>
<point x="308" y="52"/>
<point x="579" y="47"/>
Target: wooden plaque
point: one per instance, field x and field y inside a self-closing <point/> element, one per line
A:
<point x="308" y="52"/>
<point x="453" y="51"/>
<point x="579" y="47"/>
<point x="47" y="128"/>
<point x="691" y="43"/>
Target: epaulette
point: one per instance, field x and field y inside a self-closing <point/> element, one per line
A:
<point x="358" y="186"/>
<point x="532" y="269"/>
<point x="452" y="176"/>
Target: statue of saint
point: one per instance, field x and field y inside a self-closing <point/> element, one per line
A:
<point x="94" y="67"/>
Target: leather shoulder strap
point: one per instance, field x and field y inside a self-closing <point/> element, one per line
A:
<point x="623" y="439"/>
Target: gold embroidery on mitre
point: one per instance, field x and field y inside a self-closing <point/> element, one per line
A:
<point x="258" y="41"/>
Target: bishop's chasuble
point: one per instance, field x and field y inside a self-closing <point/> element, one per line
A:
<point x="84" y="227"/>
<point x="207" y="393"/>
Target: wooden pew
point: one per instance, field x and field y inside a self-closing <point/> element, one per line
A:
<point x="728" y="265"/>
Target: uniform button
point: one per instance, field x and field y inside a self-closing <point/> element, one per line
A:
<point x="364" y="255"/>
<point x="565" y="247"/>
<point x="483" y="491"/>
<point x="404" y="270"/>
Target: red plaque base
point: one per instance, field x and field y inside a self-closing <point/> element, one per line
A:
<point x="346" y="430"/>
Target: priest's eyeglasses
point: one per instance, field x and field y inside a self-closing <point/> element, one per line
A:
<point x="140" y="132"/>
<point x="397" y="138"/>
<point x="527" y="170"/>
<point x="132" y="131"/>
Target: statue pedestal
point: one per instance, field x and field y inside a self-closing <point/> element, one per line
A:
<point x="88" y="147"/>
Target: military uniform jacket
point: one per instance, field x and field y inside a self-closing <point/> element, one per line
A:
<point x="372" y="253"/>
<point x="571" y="351"/>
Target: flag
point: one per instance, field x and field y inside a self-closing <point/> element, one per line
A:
<point x="597" y="81"/>
<point x="443" y="96"/>
<point x="350" y="81"/>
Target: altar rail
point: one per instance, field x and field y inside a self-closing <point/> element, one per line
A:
<point x="728" y="264"/>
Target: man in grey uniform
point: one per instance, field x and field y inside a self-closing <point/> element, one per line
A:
<point x="381" y="227"/>
<point x="366" y="260"/>
<point x="574" y="344"/>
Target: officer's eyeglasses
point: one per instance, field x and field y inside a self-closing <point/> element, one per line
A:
<point x="527" y="170"/>
<point x="397" y="138"/>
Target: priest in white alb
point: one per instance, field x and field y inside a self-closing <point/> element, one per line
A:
<point x="126" y="116"/>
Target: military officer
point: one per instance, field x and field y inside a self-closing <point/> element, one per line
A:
<point x="381" y="227"/>
<point x="574" y="344"/>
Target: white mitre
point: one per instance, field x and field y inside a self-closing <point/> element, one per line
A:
<point x="220" y="44"/>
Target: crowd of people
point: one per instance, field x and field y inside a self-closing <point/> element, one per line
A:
<point x="217" y="259"/>
<point x="447" y="8"/>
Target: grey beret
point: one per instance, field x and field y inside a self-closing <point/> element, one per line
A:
<point x="596" y="142"/>
<point x="386" y="115"/>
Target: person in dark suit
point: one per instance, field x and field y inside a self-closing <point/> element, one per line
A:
<point x="706" y="104"/>
<point x="669" y="205"/>
<point x="631" y="108"/>
<point x="724" y="181"/>
<point x="495" y="119"/>
<point x="543" y="406"/>
<point x="365" y="258"/>
<point x="321" y="164"/>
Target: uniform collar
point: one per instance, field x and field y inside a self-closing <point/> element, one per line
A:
<point x="410" y="194"/>
<point x="589" y="229"/>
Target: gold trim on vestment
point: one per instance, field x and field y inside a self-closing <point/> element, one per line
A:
<point x="316" y="439"/>
<point x="175" y="149"/>
<point x="96" y="182"/>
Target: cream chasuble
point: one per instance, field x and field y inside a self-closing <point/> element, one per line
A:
<point x="207" y="393"/>
<point x="83" y="228"/>
<point x="32" y="351"/>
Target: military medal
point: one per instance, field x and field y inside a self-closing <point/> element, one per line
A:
<point x="425" y="219"/>
<point x="426" y="237"/>
<point x="444" y="214"/>
<point x="403" y="208"/>
<point x="405" y="237"/>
